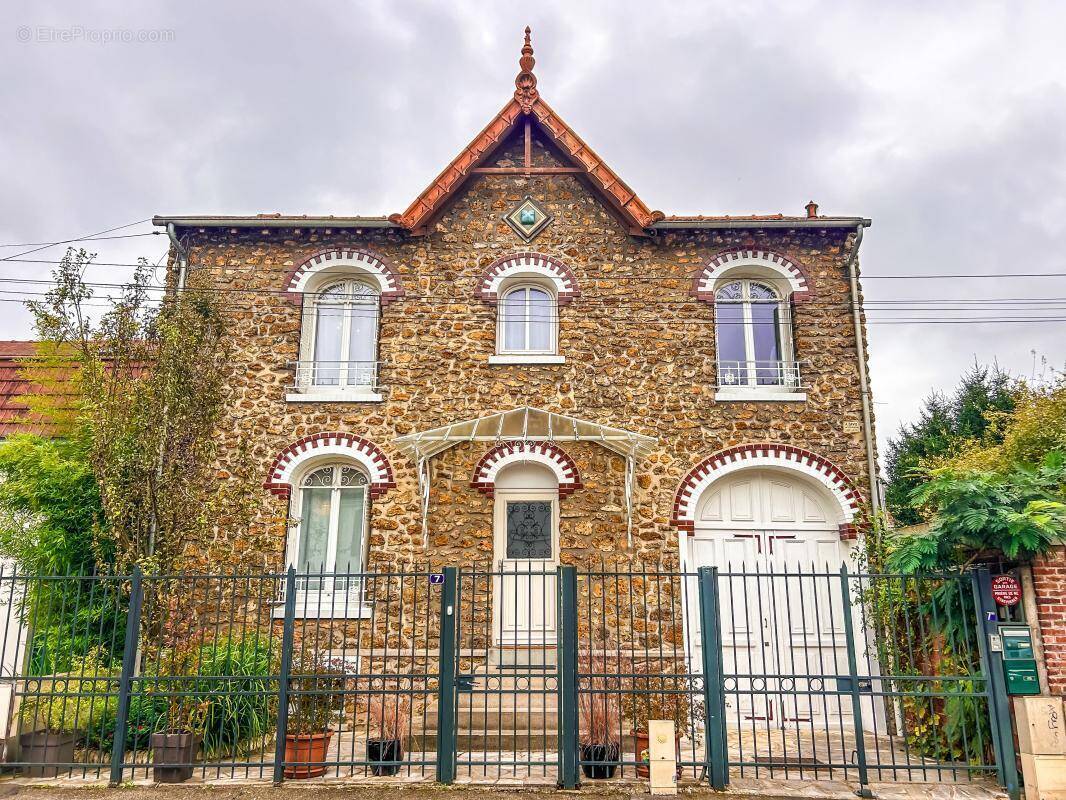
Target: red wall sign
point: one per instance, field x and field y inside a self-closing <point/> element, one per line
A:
<point x="1006" y="590"/>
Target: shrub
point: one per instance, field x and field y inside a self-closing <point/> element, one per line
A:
<point x="244" y="708"/>
<point x="316" y="694"/>
<point x="185" y="691"/>
<point x="80" y="701"/>
<point x="390" y="716"/>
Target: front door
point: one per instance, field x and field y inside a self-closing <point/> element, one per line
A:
<point x="527" y="547"/>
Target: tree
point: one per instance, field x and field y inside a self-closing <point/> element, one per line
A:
<point x="50" y="512"/>
<point x="1033" y="429"/>
<point x="1018" y="513"/>
<point x="945" y="426"/>
<point x="52" y="523"/>
<point x="151" y="379"/>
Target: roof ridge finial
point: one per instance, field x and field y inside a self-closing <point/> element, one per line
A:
<point x="526" y="83"/>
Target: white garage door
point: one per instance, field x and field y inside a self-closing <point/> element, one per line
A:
<point x="761" y="528"/>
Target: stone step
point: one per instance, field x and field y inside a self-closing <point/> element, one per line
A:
<point x="504" y="740"/>
<point x="477" y="718"/>
<point x="519" y="656"/>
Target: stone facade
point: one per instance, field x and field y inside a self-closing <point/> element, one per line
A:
<point x="639" y="349"/>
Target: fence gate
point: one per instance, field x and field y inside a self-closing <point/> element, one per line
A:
<point x="505" y="668"/>
<point x="810" y="674"/>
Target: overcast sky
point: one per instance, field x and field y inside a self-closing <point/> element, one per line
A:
<point x="945" y="123"/>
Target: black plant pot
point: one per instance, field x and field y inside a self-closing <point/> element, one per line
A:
<point x="173" y="755"/>
<point x="41" y="749"/>
<point x="606" y="754"/>
<point x="384" y="756"/>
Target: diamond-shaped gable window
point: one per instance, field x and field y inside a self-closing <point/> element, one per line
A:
<point x="528" y="219"/>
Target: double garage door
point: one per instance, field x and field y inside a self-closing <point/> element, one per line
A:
<point x="775" y="541"/>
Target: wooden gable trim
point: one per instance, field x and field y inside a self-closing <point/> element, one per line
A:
<point x="630" y="209"/>
<point x="528" y="108"/>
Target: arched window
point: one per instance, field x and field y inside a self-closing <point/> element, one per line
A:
<point x="753" y="335"/>
<point x="331" y="507"/>
<point x="344" y="353"/>
<point x="528" y="320"/>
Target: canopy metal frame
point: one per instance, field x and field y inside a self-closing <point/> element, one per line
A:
<point x="523" y="424"/>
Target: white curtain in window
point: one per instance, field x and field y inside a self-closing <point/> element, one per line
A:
<point x="528" y="318"/>
<point x="346" y="335"/>
<point x="332" y="519"/>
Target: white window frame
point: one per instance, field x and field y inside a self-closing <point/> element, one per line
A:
<point x="527" y="356"/>
<point x="325" y="601"/>
<point x="307" y="390"/>
<point x="751" y="389"/>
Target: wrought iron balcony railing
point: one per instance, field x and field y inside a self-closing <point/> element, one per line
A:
<point x="753" y="374"/>
<point x="321" y="375"/>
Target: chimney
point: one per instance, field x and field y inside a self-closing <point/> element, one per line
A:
<point x="812" y="210"/>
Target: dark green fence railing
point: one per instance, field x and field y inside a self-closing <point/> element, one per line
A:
<point x="527" y="671"/>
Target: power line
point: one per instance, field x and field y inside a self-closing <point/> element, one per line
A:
<point x="86" y="237"/>
<point x="915" y="304"/>
<point x="451" y="274"/>
<point x="83" y="239"/>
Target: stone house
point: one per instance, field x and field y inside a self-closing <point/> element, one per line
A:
<point x="529" y="366"/>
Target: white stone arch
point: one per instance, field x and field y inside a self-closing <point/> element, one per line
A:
<point x="322" y="267"/>
<point x="785" y="457"/>
<point x="320" y="447"/>
<point x="788" y="272"/>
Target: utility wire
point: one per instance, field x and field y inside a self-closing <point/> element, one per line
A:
<point x="915" y="304"/>
<point x="83" y="239"/>
<point x="86" y="237"/>
<point x="451" y="274"/>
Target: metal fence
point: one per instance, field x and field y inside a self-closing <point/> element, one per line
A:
<point x="536" y="673"/>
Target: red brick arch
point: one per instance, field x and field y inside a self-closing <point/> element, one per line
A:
<point x="525" y="264"/>
<point x="793" y="271"/>
<point x="765" y="454"/>
<point x="375" y="266"/>
<point x="341" y="445"/>
<point x="547" y="454"/>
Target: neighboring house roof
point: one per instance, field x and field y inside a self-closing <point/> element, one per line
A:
<point x="526" y="109"/>
<point x="15" y="416"/>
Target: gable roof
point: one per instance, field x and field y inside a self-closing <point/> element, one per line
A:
<point x="527" y="106"/>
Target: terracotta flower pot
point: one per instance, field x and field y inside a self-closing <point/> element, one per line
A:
<point x="173" y="755"/>
<point x="641" y="743"/>
<point x="44" y="748"/>
<point x="305" y="754"/>
<point x="384" y="755"/>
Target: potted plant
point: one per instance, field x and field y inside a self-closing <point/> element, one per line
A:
<point x="61" y="710"/>
<point x="599" y="724"/>
<point x="315" y="696"/>
<point x="660" y="691"/>
<point x="390" y="720"/>
<point x="175" y="749"/>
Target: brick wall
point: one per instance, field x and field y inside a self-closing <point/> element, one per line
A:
<point x="1049" y="580"/>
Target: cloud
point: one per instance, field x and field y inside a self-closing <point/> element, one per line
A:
<point x="943" y="122"/>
